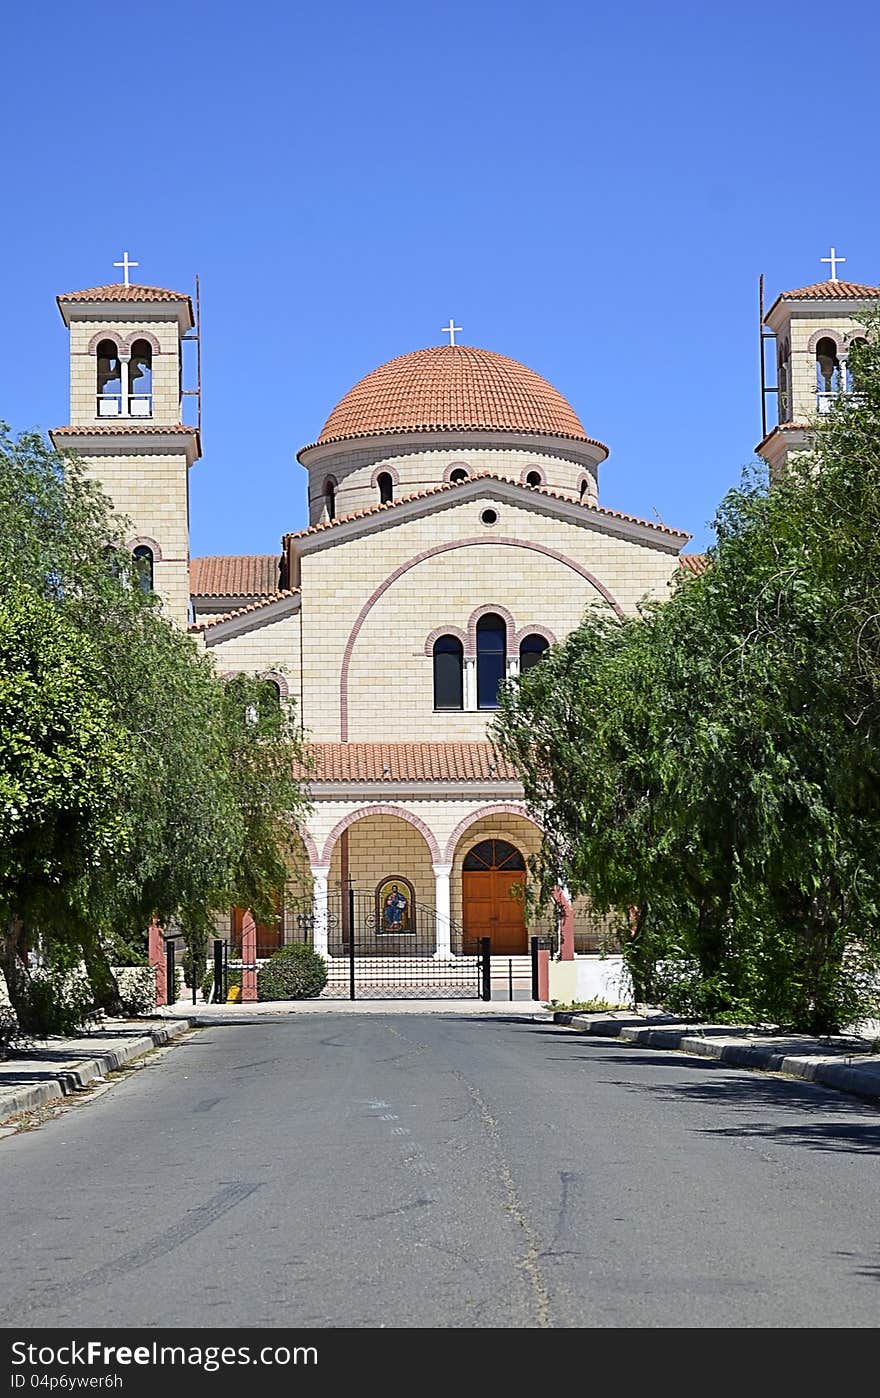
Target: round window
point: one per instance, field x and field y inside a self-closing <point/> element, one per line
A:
<point x="489" y="516"/>
<point x="534" y="478"/>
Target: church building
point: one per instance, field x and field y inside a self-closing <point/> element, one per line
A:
<point x="455" y="532"/>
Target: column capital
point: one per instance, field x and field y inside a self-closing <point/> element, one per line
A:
<point x="442" y="871"/>
<point x="320" y="871"/>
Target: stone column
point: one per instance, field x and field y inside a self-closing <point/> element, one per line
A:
<point x="562" y="900"/>
<point x="124" y="383"/>
<point x="320" y="931"/>
<point x="248" y="958"/>
<point x="156" y="957"/>
<point x="470" y="683"/>
<point x="442" y="907"/>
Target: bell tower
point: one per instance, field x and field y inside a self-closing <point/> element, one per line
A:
<point x="126" y="396"/>
<point x="809" y="331"/>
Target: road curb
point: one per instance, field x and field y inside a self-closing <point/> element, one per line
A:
<point x="857" y="1073"/>
<point x="65" y="1081"/>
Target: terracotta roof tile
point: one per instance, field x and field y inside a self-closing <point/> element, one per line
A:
<point x="406" y="762"/>
<point x="459" y="485"/>
<point x="205" y="623"/>
<point x="452" y="388"/>
<point x="241" y="575"/>
<point x="119" y="292"/>
<point x="695" y="563"/>
<point x="827" y="291"/>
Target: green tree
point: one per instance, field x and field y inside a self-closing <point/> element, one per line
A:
<point x="713" y="762"/>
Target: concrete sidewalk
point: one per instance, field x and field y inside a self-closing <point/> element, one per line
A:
<point x="49" y="1069"/>
<point x="844" y="1062"/>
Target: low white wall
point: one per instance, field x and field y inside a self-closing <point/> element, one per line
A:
<point x="590" y="978"/>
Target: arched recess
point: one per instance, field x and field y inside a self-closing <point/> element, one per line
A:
<point x="534" y="631"/>
<point x="311" y="848"/>
<point x="818" y="335"/>
<point x="144" y="541"/>
<point x="472" y="542"/>
<point x="400" y="812"/>
<point x="278" y="679"/>
<point x="382" y="470"/>
<point x="489" y="609"/>
<point x="439" y="631"/>
<point x="101" y="335"/>
<point x="501" y="808"/>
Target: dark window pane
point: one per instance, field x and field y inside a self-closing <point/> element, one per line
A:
<point x="531" y="650"/>
<point x="448" y="668"/>
<point x="143" y="563"/>
<point x="491" y="659"/>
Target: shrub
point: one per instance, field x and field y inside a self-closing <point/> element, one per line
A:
<point x="9" y="1032"/>
<point x="295" y="972"/>
<point x="137" y="989"/>
<point x="58" y="1001"/>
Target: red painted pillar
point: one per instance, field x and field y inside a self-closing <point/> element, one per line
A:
<point x="156" y="957"/>
<point x="248" y="957"/>
<point x="566" y="925"/>
<point x="543" y="974"/>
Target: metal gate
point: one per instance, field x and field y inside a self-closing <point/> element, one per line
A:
<point x="370" y="961"/>
<point x="374" y="957"/>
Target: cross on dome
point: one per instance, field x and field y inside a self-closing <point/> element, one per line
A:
<point x="125" y="264"/>
<point x="833" y="259"/>
<point x="450" y="330"/>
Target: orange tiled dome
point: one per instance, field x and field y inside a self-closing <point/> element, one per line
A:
<point x="449" y="387"/>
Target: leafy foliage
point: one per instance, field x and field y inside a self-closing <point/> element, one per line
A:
<point x="294" y="972"/>
<point x="133" y="782"/>
<point x="711" y="767"/>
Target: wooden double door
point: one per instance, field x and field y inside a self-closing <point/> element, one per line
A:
<point x="493" y="887"/>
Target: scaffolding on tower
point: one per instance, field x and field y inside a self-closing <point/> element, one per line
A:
<point x="196" y="335"/>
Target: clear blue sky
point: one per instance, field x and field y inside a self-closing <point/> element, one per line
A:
<point x="591" y="189"/>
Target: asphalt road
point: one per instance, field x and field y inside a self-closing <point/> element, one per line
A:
<point x="424" y="1171"/>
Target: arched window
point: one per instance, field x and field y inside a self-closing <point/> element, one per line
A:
<point x="143" y="566"/>
<point x="827" y="374"/>
<point x="386" y="487"/>
<point x="531" y="650"/>
<point x="851" y="385"/>
<point x="448" y="673"/>
<point x="782" y="380"/>
<point x="491" y="659"/>
<point x="534" y="478"/>
<point x="140" y="380"/>
<point x="109" y="380"/>
<point x="459" y="474"/>
<point x="330" y="497"/>
<point x="582" y="490"/>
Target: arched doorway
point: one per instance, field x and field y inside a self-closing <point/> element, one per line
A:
<point x="493" y="884"/>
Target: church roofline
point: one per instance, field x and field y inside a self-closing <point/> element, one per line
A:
<point x="583" y="513"/>
<point x="390" y="764"/>
<point x="447" y="429"/>
<point x="781" y="427"/>
<point x="827" y="291"/>
<point x="209" y="622"/>
<point x="131" y="429"/>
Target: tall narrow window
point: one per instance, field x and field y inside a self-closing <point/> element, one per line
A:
<point x="491" y="659"/>
<point x="386" y="488"/>
<point x="827" y="374"/>
<point x="143" y="566"/>
<point x="140" y="380"/>
<point x="109" y="380"/>
<point x="330" y="497"/>
<point x="531" y="649"/>
<point x="448" y="673"/>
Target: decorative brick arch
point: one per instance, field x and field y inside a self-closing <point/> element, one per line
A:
<point x="385" y="471"/>
<point x="527" y="471"/>
<point x="132" y="339"/>
<point x="392" y="578"/>
<point x="399" y="812"/>
<point x="311" y="848"/>
<point x="500" y="809"/>
<point x="143" y="540"/>
<point x="277" y="678"/>
<point x="101" y="335"/>
<point x="818" y="335"/>
<point x="489" y="609"/>
<point x="533" y="631"/>
<point x="439" y="631"/>
<point x="456" y="466"/>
